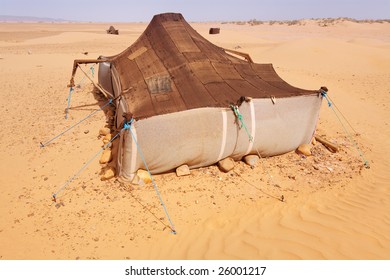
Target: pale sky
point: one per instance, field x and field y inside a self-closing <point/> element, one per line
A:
<point x="196" y="10"/>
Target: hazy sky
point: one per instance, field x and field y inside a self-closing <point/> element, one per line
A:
<point x="196" y="10"/>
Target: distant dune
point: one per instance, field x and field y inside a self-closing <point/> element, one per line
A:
<point x="6" y="18"/>
<point x="320" y="21"/>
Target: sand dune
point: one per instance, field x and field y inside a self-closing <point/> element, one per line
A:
<point x="333" y="208"/>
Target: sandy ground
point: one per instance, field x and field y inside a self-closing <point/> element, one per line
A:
<point x="333" y="208"/>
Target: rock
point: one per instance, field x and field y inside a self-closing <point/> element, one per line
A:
<point x="226" y="164"/>
<point x="106" y="156"/>
<point x="110" y="113"/>
<point x="144" y="176"/>
<point x="183" y="170"/>
<point x="314" y="141"/>
<point x="107" y="145"/>
<point x="107" y="138"/>
<point x="108" y="173"/>
<point x="86" y="131"/>
<point x="137" y="181"/>
<point x="251" y="160"/>
<point x="304" y="149"/>
<point x="104" y="131"/>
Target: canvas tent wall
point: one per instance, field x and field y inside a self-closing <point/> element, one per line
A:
<point x="179" y="88"/>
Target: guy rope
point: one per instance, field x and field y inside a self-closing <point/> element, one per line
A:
<point x="126" y="127"/>
<point x="243" y="125"/>
<point x="324" y="93"/>
<point x="71" y="89"/>
<point x="70" y="180"/>
<point x="76" y="124"/>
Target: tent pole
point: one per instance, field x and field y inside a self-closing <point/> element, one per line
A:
<point x="83" y="61"/>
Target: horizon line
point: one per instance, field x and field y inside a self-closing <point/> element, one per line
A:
<point x="34" y="19"/>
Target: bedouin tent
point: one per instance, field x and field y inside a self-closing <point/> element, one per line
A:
<point x="180" y="90"/>
<point x="112" y="30"/>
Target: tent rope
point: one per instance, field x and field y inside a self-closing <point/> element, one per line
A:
<point x="241" y="119"/>
<point x="128" y="126"/>
<point x="97" y="85"/>
<point x="90" y="115"/>
<point x="365" y="162"/>
<point x="55" y="195"/>
<point x="346" y="120"/>
<point x="71" y="89"/>
<point x="69" y="97"/>
<point x="92" y="71"/>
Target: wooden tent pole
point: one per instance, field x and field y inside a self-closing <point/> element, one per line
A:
<point x="244" y="55"/>
<point x="83" y="61"/>
<point x="332" y="147"/>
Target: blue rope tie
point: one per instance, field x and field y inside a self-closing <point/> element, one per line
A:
<point x="69" y="97"/>
<point x="241" y="119"/>
<point x="323" y="93"/>
<point x="127" y="126"/>
<point x="90" y="115"/>
<point x="92" y="69"/>
<point x="365" y="162"/>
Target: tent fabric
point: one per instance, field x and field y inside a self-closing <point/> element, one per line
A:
<point x="172" y="68"/>
<point x="203" y="136"/>
<point x="179" y="88"/>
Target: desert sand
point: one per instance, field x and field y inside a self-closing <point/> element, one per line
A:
<point x="332" y="208"/>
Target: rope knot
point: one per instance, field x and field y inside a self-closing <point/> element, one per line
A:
<point x="128" y="124"/>
<point x="241" y="123"/>
<point x="324" y="94"/>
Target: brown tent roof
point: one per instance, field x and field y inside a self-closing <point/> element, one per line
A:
<point x="172" y="68"/>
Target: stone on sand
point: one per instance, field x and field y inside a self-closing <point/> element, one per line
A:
<point x="106" y="156"/>
<point x="104" y="131"/>
<point x="183" y="170"/>
<point x="108" y="173"/>
<point x="144" y="176"/>
<point x="110" y="113"/>
<point x="251" y="160"/>
<point x="107" y="138"/>
<point x="304" y="149"/>
<point x="226" y="164"/>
